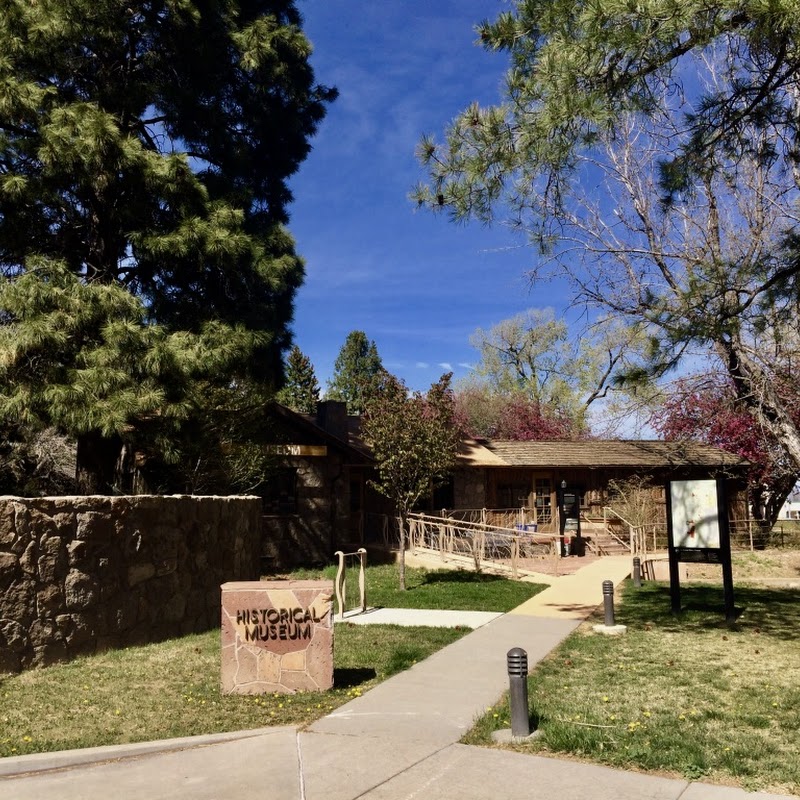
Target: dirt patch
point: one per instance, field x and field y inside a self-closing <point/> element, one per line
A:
<point x="761" y="566"/>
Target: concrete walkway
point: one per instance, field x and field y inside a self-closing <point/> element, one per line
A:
<point x="431" y="618"/>
<point x="399" y="741"/>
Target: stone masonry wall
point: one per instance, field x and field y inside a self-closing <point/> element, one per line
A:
<point x="311" y="534"/>
<point x="469" y="488"/>
<point x="84" y="574"/>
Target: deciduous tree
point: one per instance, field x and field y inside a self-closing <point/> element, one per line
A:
<point x="483" y="412"/>
<point x="145" y="149"/>
<point x="414" y="440"/>
<point x="652" y="158"/>
<point x="705" y="409"/>
<point x="532" y="356"/>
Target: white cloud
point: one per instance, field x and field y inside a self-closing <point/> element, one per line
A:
<point x="422" y="365"/>
<point x="446" y="365"/>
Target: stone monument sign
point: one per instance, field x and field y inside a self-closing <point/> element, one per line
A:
<point x="277" y="636"/>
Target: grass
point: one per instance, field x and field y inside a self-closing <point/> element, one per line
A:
<point x="770" y="566"/>
<point x="785" y="533"/>
<point x="171" y="689"/>
<point x="690" y="695"/>
<point x="459" y="590"/>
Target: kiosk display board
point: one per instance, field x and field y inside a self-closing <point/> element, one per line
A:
<point x="697" y="528"/>
<point x="695" y="514"/>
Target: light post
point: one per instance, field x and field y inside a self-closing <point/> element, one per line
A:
<point x="570" y="500"/>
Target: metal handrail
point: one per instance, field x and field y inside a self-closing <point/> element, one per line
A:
<point x="341" y="586"/>
<point x="481" y="542"/>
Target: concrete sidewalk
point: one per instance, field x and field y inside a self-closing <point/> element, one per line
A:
<point x="399" y="741"/>
<point x="431" y="618"/>
<point x="577" y="595"/>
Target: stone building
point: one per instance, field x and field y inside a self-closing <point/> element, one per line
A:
<point x="320" y="499"/>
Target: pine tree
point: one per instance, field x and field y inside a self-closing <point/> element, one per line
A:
<point x="145" y="152"/>
<point x="650" y="152"/>
<point x="356" y="372"/>
<point x="301" y="390"/>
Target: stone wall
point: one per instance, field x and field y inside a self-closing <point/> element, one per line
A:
<point x="310" y="535"/>
<point x="84" y="574"/>
<point x="469" y="488"/>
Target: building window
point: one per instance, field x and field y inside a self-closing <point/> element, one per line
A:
<point x="543" y="501"/>
<point x="512" y="495"/>
<point x="444" y="495"/>
<point x="280" y="492"/>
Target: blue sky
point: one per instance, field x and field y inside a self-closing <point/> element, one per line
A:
<point x="412" y="281"/>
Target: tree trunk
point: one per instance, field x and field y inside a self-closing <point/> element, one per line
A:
<point x="96" y="462"/>
<point x="402" y="561"/>
<point x="755" y="389"/>
<point x="780" y="491"/>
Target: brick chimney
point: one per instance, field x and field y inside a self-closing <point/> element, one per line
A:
<point x="332" y="418"/>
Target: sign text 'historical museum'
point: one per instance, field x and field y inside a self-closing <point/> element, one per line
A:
<point x="277" y="636"/>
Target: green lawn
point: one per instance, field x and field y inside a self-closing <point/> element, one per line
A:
<point x="172" y="689"/>
<point x="460" y="590"/>
<point x="688" y="695"/>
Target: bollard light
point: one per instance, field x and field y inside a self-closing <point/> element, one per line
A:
<point x="517" y="660"/>
<point x="608" y="603"/>
<point x="637" y="572"/>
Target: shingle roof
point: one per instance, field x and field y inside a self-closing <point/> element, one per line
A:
<point x="597" y="453"/>
<point x="589" y="453"/>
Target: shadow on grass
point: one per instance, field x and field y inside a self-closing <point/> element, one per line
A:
<point x="770" y="612"/>
<point x="460" y="576"/>
<point x="347" y="677"/>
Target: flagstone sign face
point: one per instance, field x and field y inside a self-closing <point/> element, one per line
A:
<point x="277" y="636"/>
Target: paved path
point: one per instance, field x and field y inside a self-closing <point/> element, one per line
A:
<point x="433" y="618"/>
<point x="399" y="741"/>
